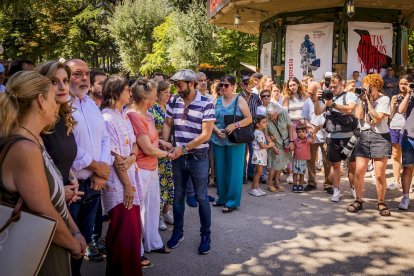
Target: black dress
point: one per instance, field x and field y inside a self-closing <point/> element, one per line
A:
<point x="62" y="148"/>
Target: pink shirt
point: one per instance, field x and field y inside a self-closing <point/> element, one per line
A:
<point x="302" y="149"/>
<point x="145" y="126"/>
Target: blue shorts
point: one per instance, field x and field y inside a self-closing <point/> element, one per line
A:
<point x="299" y="166"/>
<point x="396" y="136"/>
<point x="407" y="147"/>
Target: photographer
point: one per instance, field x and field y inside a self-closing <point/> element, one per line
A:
<point x="372" y="111"/>
<point x="397" y="123"/>
<point x="340" y="125"/>
<point x="407" y="142"/>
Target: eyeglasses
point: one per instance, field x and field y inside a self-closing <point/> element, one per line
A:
<point x="265" y="96"/>
<point x="78" y="75"/>
<point x="225" y="85"/>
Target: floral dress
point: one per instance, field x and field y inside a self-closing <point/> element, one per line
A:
<point x="164" y="164"/>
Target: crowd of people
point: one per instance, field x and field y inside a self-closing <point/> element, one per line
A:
<point x="84" y="147"/>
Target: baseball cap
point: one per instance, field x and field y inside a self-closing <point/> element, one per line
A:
<point x="184" y="75"/>
<point x="2" y="69"/>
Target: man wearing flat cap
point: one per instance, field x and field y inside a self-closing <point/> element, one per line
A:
<point x="189" y="120"/>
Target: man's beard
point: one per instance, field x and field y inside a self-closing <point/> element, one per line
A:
<point x="184" y="94"/>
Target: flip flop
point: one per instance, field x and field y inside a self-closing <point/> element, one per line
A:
<point x="145" y="262"/>
<point x="227" y="210"/>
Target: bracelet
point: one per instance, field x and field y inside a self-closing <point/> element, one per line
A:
<point x="168" y="155"/>
<point x="237" y="125"/>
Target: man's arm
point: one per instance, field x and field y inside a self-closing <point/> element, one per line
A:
<point x="166" y="129"/>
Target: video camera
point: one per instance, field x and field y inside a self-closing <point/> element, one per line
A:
<point x="327" y="93"/>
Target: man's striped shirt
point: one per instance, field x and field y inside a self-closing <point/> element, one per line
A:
<point x="188" y="120"/>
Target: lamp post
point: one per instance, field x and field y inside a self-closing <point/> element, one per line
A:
<point x="350" y="7"/>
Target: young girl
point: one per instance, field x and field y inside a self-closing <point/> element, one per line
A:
<point x="301" y="154"/>
<point x="259" y="158"/>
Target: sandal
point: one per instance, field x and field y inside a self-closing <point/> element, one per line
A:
<point x="216" y="204"/>
<point x="272" y="189"/>
<point x="355" y="207"/>
<point x="227" y="210"/>
<point x="280" y="188"/>
<point x="162" y="250"/>
<point x="145" y="262"/>
<point x="385" y="212"/>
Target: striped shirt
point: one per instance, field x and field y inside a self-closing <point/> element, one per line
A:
<point x="253" y="101"/>
<point x="188" y="120"/>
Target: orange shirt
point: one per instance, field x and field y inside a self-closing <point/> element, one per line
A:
<point x="145" y="126"/>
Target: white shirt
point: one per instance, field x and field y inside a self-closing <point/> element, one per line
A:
<point x="261" y="110"/>
<point x="91" y="137"/>
<point x="308" y="109"/>
<point x="255" y="90"/>
<point x="319" y="121"/>
<point x="381" y="105"/>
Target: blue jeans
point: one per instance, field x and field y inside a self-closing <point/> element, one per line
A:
<point x="194" y="167"/>
<point x="248" y="163"/>
<point x="84" y="211"/>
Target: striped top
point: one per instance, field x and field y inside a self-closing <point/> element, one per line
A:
<point x="188" y="120"/>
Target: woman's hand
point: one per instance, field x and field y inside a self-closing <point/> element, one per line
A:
<point x="230" y="128"/>
<point x="271" y="144"/>
<point x="221" y="134"/>
<point x="71" y="192"/>
<point x="166" y="145"/>
<point x="394" y="101"/>
<point x="124" y="163"/>
<point x="128" y="196"/>
<point x="291" y="146"/>
<point x="79" y="237"/>
<point x="77" y="252"/>
<point x="277" y="152"/>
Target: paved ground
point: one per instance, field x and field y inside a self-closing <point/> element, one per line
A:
<point x="286" y="233"/>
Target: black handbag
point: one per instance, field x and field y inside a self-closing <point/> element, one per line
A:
<point x="241" y="135"/>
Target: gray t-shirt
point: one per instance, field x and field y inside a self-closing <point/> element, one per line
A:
<point x="381" y="105"/>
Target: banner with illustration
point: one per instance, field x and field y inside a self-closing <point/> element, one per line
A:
<point x="369" y="47"/>
<point x="308" y="50"/>
<point x="266" y="59"/>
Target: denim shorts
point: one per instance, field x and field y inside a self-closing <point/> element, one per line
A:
<point x="407" y="146"/>
<point x="373" y="145"/>
<point x="396" y="136"/>
<point x="299" y="166"/>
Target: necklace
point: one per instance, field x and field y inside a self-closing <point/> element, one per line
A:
<point x="37" y="139"/>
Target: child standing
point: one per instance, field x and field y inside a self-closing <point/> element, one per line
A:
<point x="259" y="156"/>
<point x="301" y="154"/>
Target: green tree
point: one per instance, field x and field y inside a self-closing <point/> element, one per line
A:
<point x="132" y="27"/>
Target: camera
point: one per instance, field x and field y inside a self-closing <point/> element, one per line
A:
<point x="400" y="98"/>
<point x="411" y="86"/>
<point x="349" y="148"/>
<point x="327" y="94"/>
<point x="359" y="91"/>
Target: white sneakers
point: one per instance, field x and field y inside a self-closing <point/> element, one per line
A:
<point x="168" y="218"/>
<point x="393" y="186"/>
<point x="162" y="226"/>
<point x="336" y="195"/>
<point x="405" y="203"/>
<point x="257" y="192"/>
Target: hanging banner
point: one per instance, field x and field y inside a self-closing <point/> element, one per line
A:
<point x="308" y="50"/>
<point x="266" y="59"/>
<point x="369" y="47"/>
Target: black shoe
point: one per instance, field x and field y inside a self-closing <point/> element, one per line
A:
<point x="92" y="254"/>
<point x="329" y="190"/>
<point x="309" y="188"/>
<point x="263" y="180"/>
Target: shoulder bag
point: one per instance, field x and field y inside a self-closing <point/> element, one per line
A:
<point x="25" y="237"/>
<point x="241" y="135"/>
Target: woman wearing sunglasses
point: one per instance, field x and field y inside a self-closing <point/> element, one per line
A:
<point x="229" y="170"/>
<point x="265" y="96"/>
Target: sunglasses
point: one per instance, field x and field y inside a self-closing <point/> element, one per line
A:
<point x="265" y="96"/>
<point x="225" y="85"/>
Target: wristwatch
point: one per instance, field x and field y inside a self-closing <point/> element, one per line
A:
<point x="185" y="150"/>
